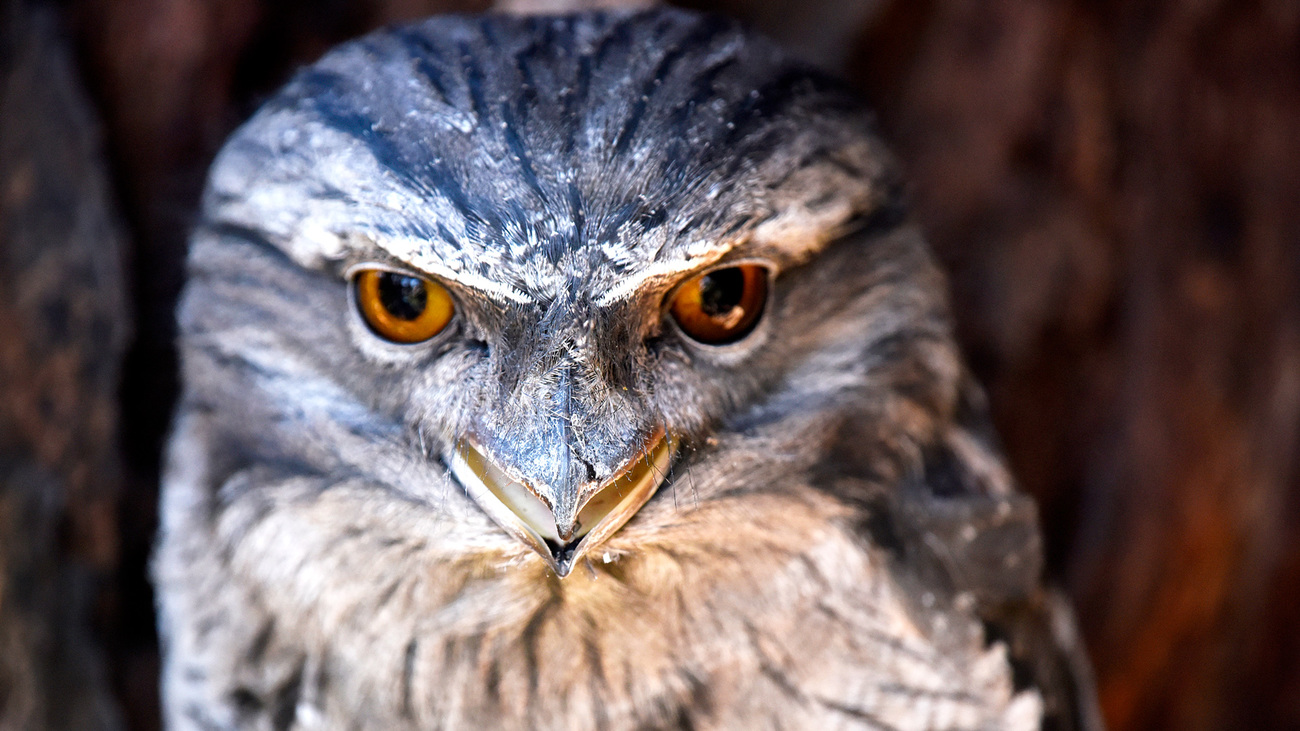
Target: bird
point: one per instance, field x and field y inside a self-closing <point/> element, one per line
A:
<point x="585" y="372"/>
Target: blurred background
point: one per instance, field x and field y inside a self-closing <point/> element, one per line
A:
<point x="1113" y="185"/>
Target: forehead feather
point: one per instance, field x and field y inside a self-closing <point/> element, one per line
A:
<point x="521" y="154"/>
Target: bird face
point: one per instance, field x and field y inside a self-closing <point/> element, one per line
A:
<point x="547" y="303"/>
<point x="566" y="453"/>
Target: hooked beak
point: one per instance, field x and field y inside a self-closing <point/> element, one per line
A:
<point x="562" y="538"/>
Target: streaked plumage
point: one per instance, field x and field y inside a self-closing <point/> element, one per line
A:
<point x="837" y="543"/>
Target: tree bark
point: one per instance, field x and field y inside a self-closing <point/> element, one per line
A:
<point x="62" y="326"/>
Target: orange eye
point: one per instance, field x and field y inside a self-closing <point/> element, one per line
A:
<point x="721" y="306"/>
<point x="403" y="308"/>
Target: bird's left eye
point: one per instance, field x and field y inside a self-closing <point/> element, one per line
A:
<point x="721" y="306"/>
<point x="403" y="308"/>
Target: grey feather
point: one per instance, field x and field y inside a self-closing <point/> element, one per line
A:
<point x="838" y="543"/>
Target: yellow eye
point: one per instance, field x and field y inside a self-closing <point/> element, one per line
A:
<point x="721" y="306"/>
<point x="403" y="308"/>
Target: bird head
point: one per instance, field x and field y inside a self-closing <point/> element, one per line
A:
<point x="542" y="262"/>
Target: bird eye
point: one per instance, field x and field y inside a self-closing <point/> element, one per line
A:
<point x="721" y="306"/>
<point x="403" y="308"/>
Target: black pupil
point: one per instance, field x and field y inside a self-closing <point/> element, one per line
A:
<point x="722" y="291"/>
<point x="404" y="297"/>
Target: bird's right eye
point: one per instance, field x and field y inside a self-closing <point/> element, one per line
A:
<point x="402" y="308"/>
<point x="723" y="305"/>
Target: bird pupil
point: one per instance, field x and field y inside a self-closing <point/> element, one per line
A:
<point x="721" y="291"/>
<point x="404" y="297"/>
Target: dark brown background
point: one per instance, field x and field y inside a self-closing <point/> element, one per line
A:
<point x="1114" y="186"/>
